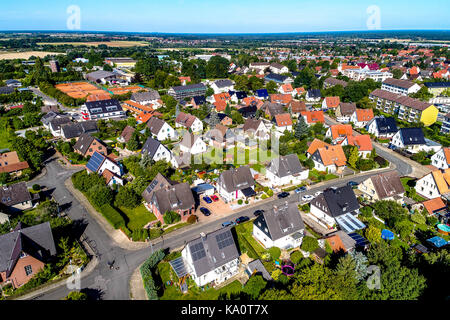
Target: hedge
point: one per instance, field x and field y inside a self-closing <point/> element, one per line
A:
<point x="147" y="275"/>
<point x="113" y="216"/>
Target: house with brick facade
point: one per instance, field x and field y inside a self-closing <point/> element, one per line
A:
<point x="87" y="145"/>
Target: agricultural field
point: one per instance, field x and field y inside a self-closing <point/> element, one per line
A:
<point x="6" y="55"/>
<point x="116" y="44"/>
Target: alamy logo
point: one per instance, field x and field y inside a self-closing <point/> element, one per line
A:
<point x="374" y="280"/>
<point x="74" y="18"/>
<point x="374" y="19"/>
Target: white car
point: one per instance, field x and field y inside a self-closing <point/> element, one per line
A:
<point x="307" y="197"/>
<point x="318" y="193"/>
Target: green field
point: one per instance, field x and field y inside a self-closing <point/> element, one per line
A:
<point x="138" y="217"/>
<point x="4" y="136"/>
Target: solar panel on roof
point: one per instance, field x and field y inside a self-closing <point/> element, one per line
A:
<point x="198" y="252"/>
<point x="360" y="241"/>
<point x="179" y="267"/>
<point x="95" y="162"/>
<point x="224" y="240"/>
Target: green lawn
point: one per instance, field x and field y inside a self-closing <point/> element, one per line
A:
<point x="314" y="175"/>
<point x="172" y="292"/>
<point x="138" y="217"/>
<point x="4" y="136"/>
<point x="245" y="230"/>
<point x="175" y="227"/>
<point x="410" y="191"/>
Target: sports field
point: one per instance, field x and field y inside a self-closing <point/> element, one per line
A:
<point x="79" y="90"/>
<point x="123" y="90"/>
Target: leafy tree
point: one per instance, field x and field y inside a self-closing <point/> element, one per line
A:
<point x="100" y="195"/>
<point x="134" y="144"/>
<point x="309" y="244"/>
<point x="314" y="283"/>
<point x="254" y="286"/>
<point x="373" y="234"/>
<point x="346" y="278"/>
<point x="237" y="117"/>
<point x="217" y="67"/>
<point x="271" y="87"/>
<point x="353" y="157"/>
<point x="127" y="197"/>
<point x="228" y="110"/>
<point x="296" y="257"/>
<point x="76" y="295"/>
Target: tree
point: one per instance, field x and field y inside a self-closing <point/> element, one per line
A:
<point x="76" y="295"/>
<point x="228" y="110"/>
<point x="346" y="279"/>
<point x="301" y="128"/>
<point x="134" y="144"/>
<point x="422" y="94"/>
<point x="373" y="234"/>
<point x="353" y="157"/>
<point x="171" y="217"/>
<point x="217" y="67"/>
<point x="271" y="87"/>
<point x="254" y="286"/>
<point x="309" y="244"/>
<point x="397" y="73"/>
<point x="100" y="195"/>
<point x="314" y="283"/>
<point x="127" y="197"/>
<point x="237" y="117"/>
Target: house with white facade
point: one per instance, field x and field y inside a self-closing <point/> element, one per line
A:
<point x="383" y="186"/>
<point x="361" y="117"/>
<point x="403" y="87"/>
<point x="188" y="121"/>
<point x="435" y="184"/>
<point x="111" y="170"/>
<point x="156" y="150"/>
<point x="221" y="86"/>
<point x="281" y="226"/>
<point x="411" y="139"/>
<point x="160" y="129"/>
<point x="256" y="129"/>
<point x="336" y="207"/>
<point x="286" y="170"/>
<point x="441" y="159"/>
<point x="278" y="68"/>
<point x="329" y="159"/>
<point x="211" y="258"/>
<point x="192" y="144"/>
<point x="382" y="127"/>
<point x="235" y="184"/>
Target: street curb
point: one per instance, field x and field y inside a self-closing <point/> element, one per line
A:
<point x="137" y="292"/>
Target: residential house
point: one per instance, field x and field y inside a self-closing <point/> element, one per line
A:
<point x="435" y="207"/>
<point x="272" y="109"/>
<point x="382" y="127"/>
<point x="361" y="117"/>
<point x="262" y="94"/>
<point x="338" y="132"/>
<point x="237" y="96"/>
<point x="329" y="158"/>
<point x="188" y="121"/>
<point x="331" y="82"/>
<point x="211" y="258"/>
<point x="313" y="117"/>
<point x="445" y="127"/>
<point x="259" y="66"/>
<point x="441" y="159"/>
<point x="126" y="134"/>
<point x="248" y="112"/>
<point x="198" y="101"/>
<point x="160" y="129"/>
<point x="156" y="150"/>
<point x="404" y="107"/>
<point x="298" y="92"/>
<point x="282" y="99"/>
<point x="435" y="184"/>
<point x="278" y="78"/>
<point x="296" y="107"/>
<point x="54" y="125"/>
<point x="314" y="145"/>
<point x="283" y="122"/>
<point x="24" y="252"/>
<point x="337" y="207"/>
<point x="402" y="87"/>
<point x="362" y="142"/>
<point x="286" y="170"/>
<point x="331" y="103"/>
<point x="278" y="68"/>
<point x="235" y="184"/>
<point x="16" y="197"/>
<point x="383" y="186"/>
<point x="344" y="112"/>
<point x="282" y="227"/>
<point x="74" y="130"/>
<point x="101" y="77"/>
<point x="150" y="97"/>
<point x="286" y="89"/>
<point x="10" y="163"/>
<point x="87" y="145"/>
<point x="102" y="109"/>
<point x="223" y="85"/>
<point x="340" y="241"/>
<point x="187" y="91"/>
<point x="256" y="129"/>
<point x="313" y="95"/>
<point x="192" y="144"/>
<point x="108" y="168"/>
<point x="138" y="108"/>
<point x="436" y="88"/>
<point x="221" y="137"/>
<point x="411" y="139"/>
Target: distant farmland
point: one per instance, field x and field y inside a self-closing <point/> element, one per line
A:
<point x="118" y="44"/>
<point x="5" y="55"/>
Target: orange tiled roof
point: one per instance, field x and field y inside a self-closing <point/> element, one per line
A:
<point x="225" y="96"/>
<point x="363" y="142"/>
<point x="335" y="243"/>
<point x="442" y="180"/>
<point x="314" y="116"/>
<point x="332" y="155"/>
<point x="136" y="107"/>
<point x="447" y="155"/>
<point x="332" y="102"/>
<point x="364" y="114"/>
<point x="338" y="130"/>
<point x="283" y="120"/>
<point x="300" y="90"/>
<point x="433" y="205"/>
<point x="220" y="105"/>
<point x="281" y="98"/>
<point x="287" y="88"/>
<point x="316" y="144"/>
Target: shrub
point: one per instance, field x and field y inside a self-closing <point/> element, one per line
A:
<point x="76" y="295"/>
<point x="147" y="275"/>
<point x="128" y="198"/>
<point x="100" y="195"/>
<point x="36" y="187"/>
<point x="418" y="218"/>
<point x="275" y="253"/>
<point x="305" y="208"/>
<point x="240" y="201"/>
<point x="309" y="244"/>
<point x="296" y="257"/>
<point x="171" y="217"/>
<point x="192" y="219"/>
<point x="366" y="212"/>
<point x="254" y="286"/>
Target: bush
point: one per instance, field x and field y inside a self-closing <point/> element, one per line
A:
<point x="100" y="195"/>
<point x="305" y="208"/>
<point x="254" y="286"/>
<point x="147" y="275"/>
<point x="418" y="218"/>
<point x="128" y="198"/>
<point x="192" y="219"/>
<point x="275" y="253"/>
<point x="366" y="212"/>
<point x="296" y="257"/>
<point x="171" y="217"/>
<point x="309" y="244"/>
<point x="36" y="187"/>
<point x="240" y="201"/>
<point x="76" y="295"/>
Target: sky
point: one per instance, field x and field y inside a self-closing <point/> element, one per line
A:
<point x="226" y="16"/>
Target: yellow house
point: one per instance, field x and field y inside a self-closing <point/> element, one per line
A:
<point x="429" y="115"/>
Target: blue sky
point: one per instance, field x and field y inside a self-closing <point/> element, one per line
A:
<point x="225" y="16"/>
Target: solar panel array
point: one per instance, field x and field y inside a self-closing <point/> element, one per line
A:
<point x="179" y="267"/>
<point x="224" y="240"/>
<point x="197" y="251"/>
<point x="360" y="241"/>
<point x="95" y="162"/>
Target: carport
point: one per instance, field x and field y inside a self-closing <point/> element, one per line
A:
<point x="204" y="189"/>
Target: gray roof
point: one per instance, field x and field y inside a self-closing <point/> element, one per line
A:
<point x="223" y="83"/>
<point x="405" y="84"/>
<point x="103" y="106"/>
<point x="36" y="241"/>
<point x="150" y="147"/>
<point x="155" y="124"/>
<point x="189" y="87"/>
<point x="49" y="117"/>
<point x="55" y="123"/>
<point x="212" y="251"/>
<point x="145" y="96"/>
<point x="236" y="179"/>
<point x="84" y="142"/>
<point x="281" y="221"/>
<point x="189" y="139"/>
<point x="74" y="130"/>
<point x="387" y="184"/>
<point x="347" y="109"/>
<point x="14" y="194"/>
<point x="158" y="182"/>
<point x="337" y="202"/>
<point x="284" y="166"/>
<point x="257" y="267"/>
<point x="6" y="90"/>
<point x="98" y="75"/>
<point x="173" y="198"/>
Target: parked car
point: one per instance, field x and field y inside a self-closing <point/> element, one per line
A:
<point x="242" y="219"/>
<point x="205" y="211"/>
<point x="207" y="199"/>
<point x="214" y="198"/>
<point x="283" y="195"/>
<point x="257" y="213"/>
<point x="300" y="190"/>
<point x="307" y="197"/>
<point x="353" y="184"/>
<point x="228" y="223"/>
<point x="318" y="193"/>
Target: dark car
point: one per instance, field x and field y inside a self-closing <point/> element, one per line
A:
<point x="205" y="211"/>
<point x="283" y="195"/>
<point x="257" y="213"/>
<point x="353" y="184"/>
<point x="207" y="200"/>
<point x="242" y="219"/>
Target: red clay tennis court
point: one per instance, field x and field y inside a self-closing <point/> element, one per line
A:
<point x="79" y="90"/>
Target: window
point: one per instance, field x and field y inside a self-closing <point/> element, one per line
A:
<point x="28" y="270"/>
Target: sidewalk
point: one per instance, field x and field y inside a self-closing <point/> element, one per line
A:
<point x="137" y="291"/>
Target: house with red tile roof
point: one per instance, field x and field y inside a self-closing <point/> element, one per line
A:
<point x="362" y="142"/>
<point x="184" y="80"/>
<point x="298" y="92"/>
<point x="314" y="145"/>
<point x="361" y="117"/>
<point x="313" y="117"/>
<point x="434" y="184"/>
<point x="281" y="98"/>
<point x="283" y="122"/>
<point x="286" y="89"/>
<point x="10" y="163"/>
<point x="331" y="103"/>
<point x="337" y="131"/>
<point x="329" y="158"/>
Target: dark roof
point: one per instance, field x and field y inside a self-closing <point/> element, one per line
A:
<point x="236" y="179"/>
<point x="314" y="93"/>
<point x="387" y="184"/>
<point x="257" y="267"/>
<point x="284" y="166"/>
<point x="145" y="96"/>
<point x="239" y="94"/>
<point x="199" y="100"/>
<point x="84" y="142"/>
<point x="6" y="90"/>
<point x="281" y="221"/>
<point x="14" y="194"/>
<point x="272" y="108"/>
<point x="248" y="112"/>
<point x="336" y="202"/>
<point x="100" y="74"/>
<point x="223" y="83"/>
<point x="220" y="115"/>
<point x="46" y="118"/>
<point x="127" y="133"/>
<point x="150" y="147"/>
<point x="335" y="82"/>
<point x="212" y="251"/>
<point x="55" y="123"/>
<point x="36" y="241"/>
<point x="437" y="84"/>
<point x="189" y="87"/>
<point x="155" y="124"/>
<point x="386" y="125"/>
<point x="74" y="130"/>
<point x="412" y="136"/>
<point x="276" y="77"/>
<point x="95" y="162"/>
<point x="172" y="198"/>
<point x="103" y="106"/>
<point x="262" y="93"/>
<point x="157" y="183"/>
